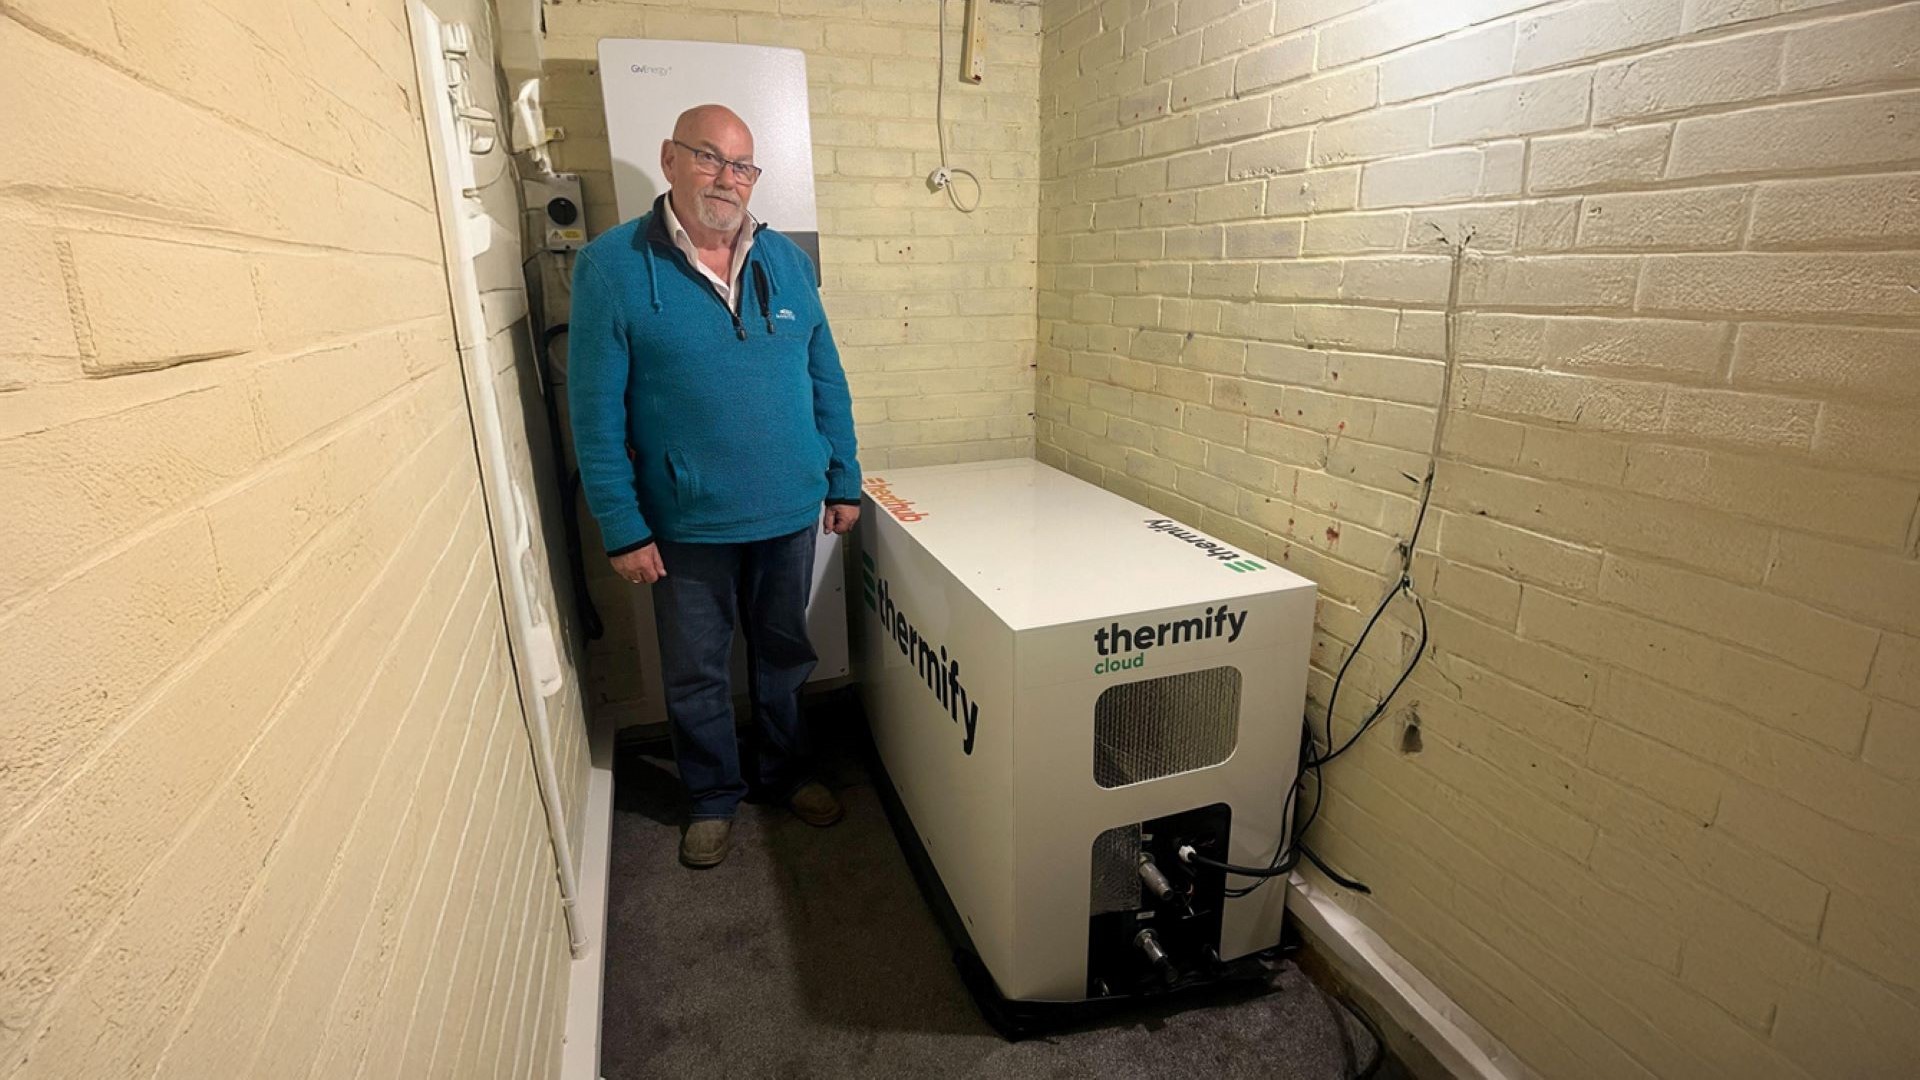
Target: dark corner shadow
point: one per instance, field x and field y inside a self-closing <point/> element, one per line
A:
<point x="869" y="954"/>
<point x="645" y="783"/>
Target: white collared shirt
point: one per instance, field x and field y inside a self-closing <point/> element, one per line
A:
<point x="742" y="243"/>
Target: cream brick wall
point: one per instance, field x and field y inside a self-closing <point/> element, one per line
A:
<point x="1663" y="823"/>
<point x="266" y="807"/>
<point x="933" y="309"/>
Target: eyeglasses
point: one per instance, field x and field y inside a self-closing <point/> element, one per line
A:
<point x="708" y="162"/>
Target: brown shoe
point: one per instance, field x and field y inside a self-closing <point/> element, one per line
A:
<point x="815" y="805"/>
<point x="704" y="844"/>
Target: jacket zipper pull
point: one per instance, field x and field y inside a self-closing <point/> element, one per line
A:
<point x="760" y="286"/>
<point x="739" y="331"/>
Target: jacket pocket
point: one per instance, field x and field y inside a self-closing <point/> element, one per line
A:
<point x="686" y="488"/>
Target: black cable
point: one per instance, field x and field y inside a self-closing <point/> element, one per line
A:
<point x="1333" y="697"/>
<point x="1335" y="876"/>
<point x="590" y="620"/>
<point x="570" y="507"/>
<point x="1288" y="855"/>
<point x="1379" y="1039"/>
<point x="1420" y="607"/>
<point x="1227" y="867"/>
<point x="1316" y="764"/>
<point x="1291" y="852"/>
<point x="1404" y="585"/>
<point x="1339" y="1017"/>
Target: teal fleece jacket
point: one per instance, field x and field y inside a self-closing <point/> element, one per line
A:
<point x="693" y="423"/>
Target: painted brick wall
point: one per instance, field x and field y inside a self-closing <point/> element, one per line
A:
<point x="1666" y="821"/>
<point x="933" y="309"/>
<point x="266" y="807"/>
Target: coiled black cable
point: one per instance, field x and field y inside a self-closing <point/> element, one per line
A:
<point x="1295" y="847"/>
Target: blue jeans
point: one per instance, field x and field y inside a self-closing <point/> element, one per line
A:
<point x="767" y="582"/>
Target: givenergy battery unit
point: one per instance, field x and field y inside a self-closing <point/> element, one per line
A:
<point x="1065" y="689"/>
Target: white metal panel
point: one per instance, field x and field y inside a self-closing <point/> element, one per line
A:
<point x="1042" y="548"/>
<point x="648" y="84"/>
<point x="964" y="813"/>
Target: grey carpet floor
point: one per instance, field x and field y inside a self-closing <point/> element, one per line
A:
<point x="811" y="953"/>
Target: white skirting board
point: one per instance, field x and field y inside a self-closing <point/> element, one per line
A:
<point x="580" y="1055"/>
<point x="1413" y="1002"/>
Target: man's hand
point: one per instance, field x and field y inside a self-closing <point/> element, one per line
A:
<point x="640" y="566"/>
<point x="839" y="519"/>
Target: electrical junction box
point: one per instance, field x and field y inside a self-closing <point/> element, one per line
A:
<point x="563" y="217"/>
<point x="1063" y="684"/>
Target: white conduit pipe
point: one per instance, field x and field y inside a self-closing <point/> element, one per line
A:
<point x="537" y="638"/>
<point x="463" y="237"/>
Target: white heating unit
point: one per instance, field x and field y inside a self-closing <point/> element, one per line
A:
<point x="1064" y="686"/>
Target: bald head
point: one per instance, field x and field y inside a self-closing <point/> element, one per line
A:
<point x="709" y="197"/>
<point x="709" y="121"/>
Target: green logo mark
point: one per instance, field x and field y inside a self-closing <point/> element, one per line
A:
<point x="1232" y="560"/>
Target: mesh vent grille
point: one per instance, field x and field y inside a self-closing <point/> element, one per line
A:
<point x="1116" y="884"/>
<point x="1161" y="727"/>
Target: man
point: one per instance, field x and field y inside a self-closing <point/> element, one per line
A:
<point x="711" y="420"/>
